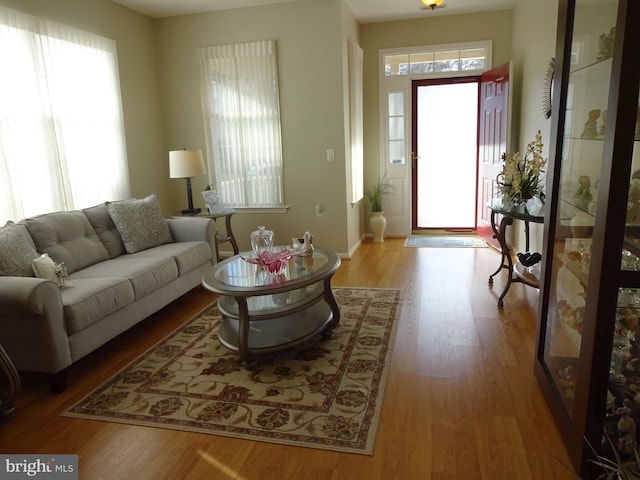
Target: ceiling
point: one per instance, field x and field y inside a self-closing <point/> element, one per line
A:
<point x="365" y="11"/>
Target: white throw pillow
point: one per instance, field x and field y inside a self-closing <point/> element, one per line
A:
<point x="44" y="267"/>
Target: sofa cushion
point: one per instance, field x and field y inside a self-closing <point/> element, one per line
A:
<point x="92" y="299"/>
<point x="140" y="223"/>
<point x="146" y="274"/>
<point x="17" y="251"/>
<point x="187" y="255"/>
<point x="102" y="223"/>
<point x="68" y="238"/>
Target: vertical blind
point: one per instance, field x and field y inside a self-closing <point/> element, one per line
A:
<point x="62" y="143"/>
<point x="241" y="106"/>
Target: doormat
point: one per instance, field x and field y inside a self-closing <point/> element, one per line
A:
<point x="450" y="241"/>
<point x="325" y="394"/>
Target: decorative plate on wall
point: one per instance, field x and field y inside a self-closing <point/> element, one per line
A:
<point x="547" y="90"/>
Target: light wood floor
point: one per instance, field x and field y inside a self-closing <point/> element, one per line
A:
<point x="461" y="401"/>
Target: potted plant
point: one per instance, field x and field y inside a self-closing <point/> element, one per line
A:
<point x="617" y="468"/>
<point x="377" y="222"/>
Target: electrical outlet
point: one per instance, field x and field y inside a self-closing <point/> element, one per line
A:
<point x="320" y="210"/>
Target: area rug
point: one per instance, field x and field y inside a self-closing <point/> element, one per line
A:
<point x="326" y="393"/>
<point x="452" y="241"/>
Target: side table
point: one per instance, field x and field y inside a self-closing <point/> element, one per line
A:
<point x="8" y="395"/>
<point x="227" y="213"/>
<point x="509" y="213"/>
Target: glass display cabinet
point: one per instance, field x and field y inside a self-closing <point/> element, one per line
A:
<point x="588" y="340"/>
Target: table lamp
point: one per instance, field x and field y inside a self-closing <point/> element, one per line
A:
<point x="186" y="164"/>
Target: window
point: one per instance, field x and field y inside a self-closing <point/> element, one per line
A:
<point x="242" y="117"/>
<point x="438" y="59"/>
<point x="62" y="143"/>
<point x="396" y="128"/>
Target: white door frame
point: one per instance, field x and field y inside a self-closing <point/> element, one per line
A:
<point x="397" y="204"/>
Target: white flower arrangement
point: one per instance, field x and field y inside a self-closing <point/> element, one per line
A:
<point x="520" y="177"/>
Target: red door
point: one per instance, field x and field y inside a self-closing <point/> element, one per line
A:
<point x="492" y="142"/>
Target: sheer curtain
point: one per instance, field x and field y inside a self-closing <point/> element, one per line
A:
<point x="242" y="115"/>
<point x="62" y="144"/>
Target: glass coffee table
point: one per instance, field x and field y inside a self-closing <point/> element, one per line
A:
<point x="263" y="313"/>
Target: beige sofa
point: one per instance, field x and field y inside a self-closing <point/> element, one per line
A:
<point x="124" y="262"/>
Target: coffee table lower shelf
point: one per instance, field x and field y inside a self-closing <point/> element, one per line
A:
<point x="278" y="333"/>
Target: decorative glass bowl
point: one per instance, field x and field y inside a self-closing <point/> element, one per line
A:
<point x="273" y="262"/>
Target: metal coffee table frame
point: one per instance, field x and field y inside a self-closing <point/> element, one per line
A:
<point x="261" y="318"/>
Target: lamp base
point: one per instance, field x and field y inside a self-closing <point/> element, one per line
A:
<point x="191" y="211"/>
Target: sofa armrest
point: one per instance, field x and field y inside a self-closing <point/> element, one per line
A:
<point x="190" y="229"/>
<point x="32" y="328"/>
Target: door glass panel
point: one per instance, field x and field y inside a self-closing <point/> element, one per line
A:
<point x="396" y="128"/>
<point x="584" y="120"/>
<point x="447" y="132"/>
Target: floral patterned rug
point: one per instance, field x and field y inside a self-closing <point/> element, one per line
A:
<point x="324" y="394"/>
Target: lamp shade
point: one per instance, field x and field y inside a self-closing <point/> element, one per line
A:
<point x="186" y="163"/>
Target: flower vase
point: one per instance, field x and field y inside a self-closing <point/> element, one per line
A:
<point x="377" y="223"/>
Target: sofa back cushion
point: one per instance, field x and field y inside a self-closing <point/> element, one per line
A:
<point x="140" y="223"/>
<point x="68" y="238"/>
<point x="17" y="251"/>
<point x="102" y="223"/>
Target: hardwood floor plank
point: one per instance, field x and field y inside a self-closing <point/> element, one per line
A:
<point x="461" y="401"/>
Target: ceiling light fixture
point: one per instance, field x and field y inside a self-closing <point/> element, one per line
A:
<point x="433" y="3"/>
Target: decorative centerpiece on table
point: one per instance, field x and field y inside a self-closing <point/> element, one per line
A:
<point x="520" y="179"/>
<point x="271" y="261"/>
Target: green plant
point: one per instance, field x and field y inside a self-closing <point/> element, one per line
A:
<point x="617" y="468"/>
<point x="613" y="469"/>
<point x="374" y="194"/>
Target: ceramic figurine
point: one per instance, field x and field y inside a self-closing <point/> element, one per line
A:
<point x="626" y="428"/>
<point x="605" y="45"/>
<point x="591" y="126"/>
<point x="603" y="124"/>
<point x="583" y="196"/>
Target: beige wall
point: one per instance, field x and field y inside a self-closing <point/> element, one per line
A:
<point x="161" y="99"/>
<point x="135" y="39"/>
<point x="310" y="44"/>
<point x="495" y="26"/>
<point x="532" y="49"/>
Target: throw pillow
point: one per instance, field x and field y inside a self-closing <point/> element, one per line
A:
<point x="44" y="267"/>
<point x="16" y="251"/>
<point x="140" y="223"/>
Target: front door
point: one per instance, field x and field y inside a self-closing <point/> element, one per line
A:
<point x="445" y="142"/>
<point x="493" y="138"/>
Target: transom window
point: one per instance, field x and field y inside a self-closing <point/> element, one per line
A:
<point x="438" y="59"/>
